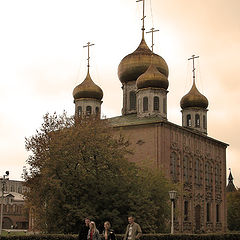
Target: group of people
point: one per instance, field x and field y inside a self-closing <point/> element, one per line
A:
<point x="133" y="231"/>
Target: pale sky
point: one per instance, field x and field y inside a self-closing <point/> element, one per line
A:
<point x="42" y="59"/>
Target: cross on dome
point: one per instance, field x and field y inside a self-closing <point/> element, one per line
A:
<point x="143" y="28"/>
<point x="192" y="58"/>
<point x="88" y="46"/>
<point x="152" y="30"/>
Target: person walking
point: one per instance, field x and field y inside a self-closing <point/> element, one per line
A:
<point x="83" y="231"/>
<point x="108" y="234"/>
<point x="133" y="231"/>
<point x="93" y="233"/>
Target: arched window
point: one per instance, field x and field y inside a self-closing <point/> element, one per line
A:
<point x="97" y="110"/>
<point x="173" y="166"/>
<point x="208" y="212"/>
<point x="20" y="210"/>
<point x="197" y="171"/>
<point x="189" y="121"/>
<point x="197" y="120"/>
<point x="12" y="188"/>
<point x="164" y="105"/>
<point x="145" y="104"/>
<point x="217" y="213"/>
<point x="217" y="174"/>
<point x="185" y="169"/>
<point x="132" y="100"/>
<point x="185" y="210"/>
<point x="156" y="103"/>
<point x="19" y="189"/>
<point x="88" y="110"/>
<point x="208" y="173"/>
<point x="204" y="122"/>
<point x="79" y="110"/>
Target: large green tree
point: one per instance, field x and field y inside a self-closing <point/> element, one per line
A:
<point x="233" y="210"/>
<point x="80" y="168"/>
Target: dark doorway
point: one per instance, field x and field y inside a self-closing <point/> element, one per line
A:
<point x="7" y="223"/>
<point x="197" y="218"/>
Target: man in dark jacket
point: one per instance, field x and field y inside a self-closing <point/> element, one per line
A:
<point x="83" y="231"/>
<point x="133" y="231"/>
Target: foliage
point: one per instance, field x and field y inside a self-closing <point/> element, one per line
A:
<point x="81" y="169"/>
<point x="233" y="210"/>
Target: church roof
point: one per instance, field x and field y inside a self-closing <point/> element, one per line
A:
<point x="133" y="120"/>
<point x="15" y="195"/>
<point x="230" y="187"/>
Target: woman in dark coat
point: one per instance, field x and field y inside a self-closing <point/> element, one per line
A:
<point x="108" y="234"/>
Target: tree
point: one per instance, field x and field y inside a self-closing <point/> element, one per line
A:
<point x="80" y="168"/>
<point x="233" y="210"/>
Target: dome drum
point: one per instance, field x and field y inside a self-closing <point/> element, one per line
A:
<point x="152" y="102"/>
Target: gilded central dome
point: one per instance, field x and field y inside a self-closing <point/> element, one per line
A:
<point x="194" y="99"/>
<point x="88" y="89"/>
<point x="136" y="63"/>
<point x="152" y="78"/>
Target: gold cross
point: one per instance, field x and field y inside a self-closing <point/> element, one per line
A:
<point x="143" y="16"/>
<point x="88" y="45"/>
<point x="192" y="58"/>
<point x="152" y="31"/>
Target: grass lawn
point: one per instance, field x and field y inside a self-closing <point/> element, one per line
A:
<point x="13" y="233"/>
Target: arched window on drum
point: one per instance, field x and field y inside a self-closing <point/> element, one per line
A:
<point x="88" y="110"/>
<point x="145" y="104"/>
<point x="132" y="100"/>
<point x="156" y="103"/>
<point x="189" y="120"/>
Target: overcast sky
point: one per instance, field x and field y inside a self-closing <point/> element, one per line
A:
<point x="42" y="59"/>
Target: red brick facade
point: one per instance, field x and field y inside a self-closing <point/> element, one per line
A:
<point x="195" y="161"/>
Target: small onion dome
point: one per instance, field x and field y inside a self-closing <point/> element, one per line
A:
<point x="194" y="99"/>
<point x="88" y="89"/>
<point x="152" y="78"/>
<point x="136" y="63"/>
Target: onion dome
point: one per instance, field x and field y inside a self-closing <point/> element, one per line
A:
<point x="88" y="89"/>
<point x="152" y="78"/>
<point x="194" y="99"/>
<point x="136" y="63"/>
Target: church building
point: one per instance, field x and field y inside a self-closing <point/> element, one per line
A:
<point x="185" y="154"/>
